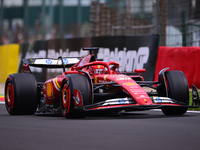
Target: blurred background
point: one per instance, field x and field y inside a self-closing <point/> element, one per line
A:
<point x="176" y="21"/>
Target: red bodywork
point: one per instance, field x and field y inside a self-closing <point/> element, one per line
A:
<point x="100" y="72"/>
<point x="103" y="73"/>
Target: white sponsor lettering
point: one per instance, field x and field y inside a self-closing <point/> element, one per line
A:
<point x="128" y="59"/>
<point x="162" y="100"/>
<point x="117" y="101"/>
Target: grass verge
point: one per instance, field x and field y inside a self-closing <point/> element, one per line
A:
<point x="191" y="102"/>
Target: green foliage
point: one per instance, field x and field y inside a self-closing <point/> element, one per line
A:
<point x="191" y="102"/>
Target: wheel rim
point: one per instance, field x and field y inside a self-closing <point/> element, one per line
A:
<point x="9" y="96"/>
<point x="66" y="99"/>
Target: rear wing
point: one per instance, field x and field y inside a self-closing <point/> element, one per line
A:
<point x="52" y="63"/>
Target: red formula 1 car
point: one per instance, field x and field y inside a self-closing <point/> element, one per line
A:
<point x="94" y="86"/>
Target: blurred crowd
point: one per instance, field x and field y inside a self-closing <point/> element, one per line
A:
<point x="18" y="34"/>
<point x="14" y="35"/>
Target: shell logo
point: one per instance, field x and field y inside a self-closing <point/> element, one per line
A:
<point x="130" y="83"/>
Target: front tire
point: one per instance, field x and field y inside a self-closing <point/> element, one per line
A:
<point x="21" y="96"/>
<point x="177" y="86"/>
<point x="74" y="82"/>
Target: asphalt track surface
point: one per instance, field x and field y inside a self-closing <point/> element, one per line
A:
<point x="149" y="130"/>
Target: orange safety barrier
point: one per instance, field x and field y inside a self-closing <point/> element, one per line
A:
<point x="185" y="59"/>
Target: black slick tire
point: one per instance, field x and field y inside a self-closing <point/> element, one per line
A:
<point x="21" y="94"/>
<point x="67" y="102"/>
<point x="178" y="90"/>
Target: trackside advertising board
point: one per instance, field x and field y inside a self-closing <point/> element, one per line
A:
<point x="132" y="52"/>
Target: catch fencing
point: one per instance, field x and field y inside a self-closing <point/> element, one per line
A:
<point x="176" y="21"/>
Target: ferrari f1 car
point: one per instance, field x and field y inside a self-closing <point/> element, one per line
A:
<point x="89" y="85"/>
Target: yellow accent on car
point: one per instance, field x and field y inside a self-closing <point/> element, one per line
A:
<point x="95" y="79"/>
<point x="58" y="85"/>
<point x="49" y="90"/>
<point x="130" y="83"/>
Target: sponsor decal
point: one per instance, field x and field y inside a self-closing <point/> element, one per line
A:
<point x="123" y="78"/>
<point x="117" y="101"/>
<point x="162" y="100"/>
<point x="129" y="83"/>
<point x="134" y="87"/>
<point x="102" y="81"/>
<point x="122" y="101"/>
<point x="142" y="96"/>
<point x="77" y="96"/>
<point x="158" y="100"/>
<point x="48" y="61"/>
<point x="65" y="61"/>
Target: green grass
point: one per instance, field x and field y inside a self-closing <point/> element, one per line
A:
<point x="191" y="102"/>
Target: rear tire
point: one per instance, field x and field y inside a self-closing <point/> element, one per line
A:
<point x="178" y="90"/>
<point x="21" y="94"/>
<point x="68" y="107"/>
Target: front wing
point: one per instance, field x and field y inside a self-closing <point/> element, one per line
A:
<point x="129" y="104"/>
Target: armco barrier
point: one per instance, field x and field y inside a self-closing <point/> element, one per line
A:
<point x="185" y="59"/>
<point x="9" y="60"/>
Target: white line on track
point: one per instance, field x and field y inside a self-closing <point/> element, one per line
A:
<point x="190" y="111"/>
